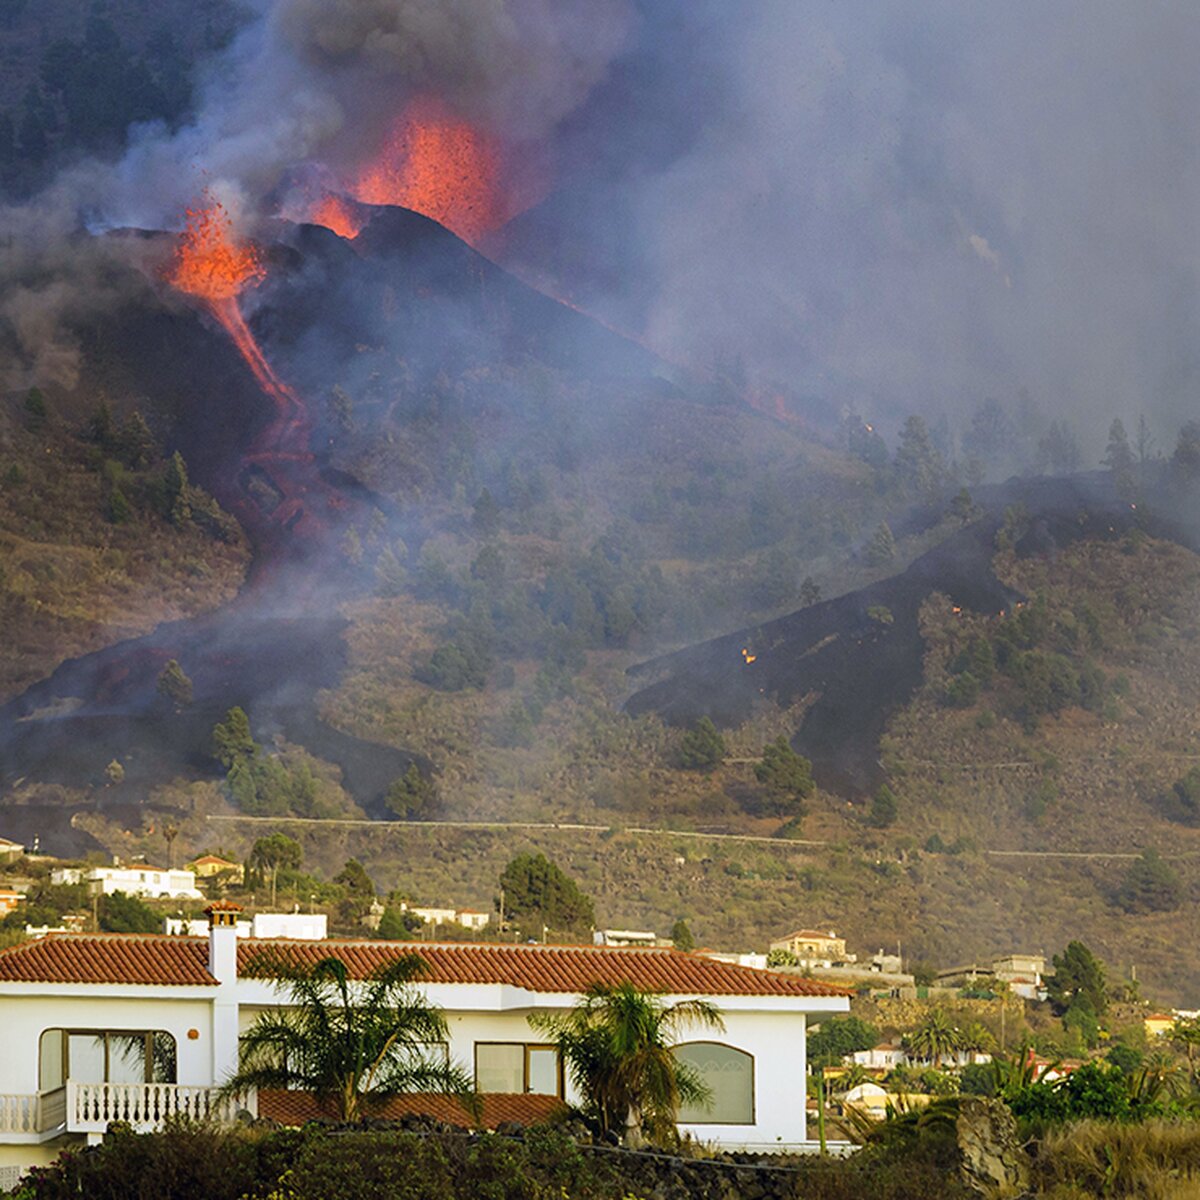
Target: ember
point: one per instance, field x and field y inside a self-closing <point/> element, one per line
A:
<point x="209" y="261"/>
<point x="748" y="656"/>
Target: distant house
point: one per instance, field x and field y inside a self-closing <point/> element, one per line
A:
<point x="886" y="1056"/>
<point x="625" y="937"/>
<point x="10" y="850"/>
<point x="1021" y="974"/>
<point x="136" y="879"/>
<point x="813" y="948"/>
<point x="209" y="865"/>
<point x="1158" y="1024"/>
<point x="468" y="918"/>
<point x="9" y="900"/>
<point x="757" y="961"/>
<point x="299" y="927"/>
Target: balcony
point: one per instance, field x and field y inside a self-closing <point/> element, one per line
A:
<point x="91" y="1107"/>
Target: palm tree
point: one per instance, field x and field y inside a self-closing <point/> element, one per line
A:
<point x="934" y="1037"/>
<point x="353" y="1044"/>
<point x="977" y="1038"/>
<point x="616" y="1044"/>
<point x="1186" y="1033"/>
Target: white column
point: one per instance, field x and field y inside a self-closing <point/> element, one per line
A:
<point x="222" y="966"/>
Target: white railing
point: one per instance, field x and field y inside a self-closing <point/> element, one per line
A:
<point x="92" y="1107"/>
<point x="20" y="1114"/>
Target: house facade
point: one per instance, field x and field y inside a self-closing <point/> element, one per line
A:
<point x="814" y="947"/>
<point x="101" y="1028"/>
<point x="136" y="879"/>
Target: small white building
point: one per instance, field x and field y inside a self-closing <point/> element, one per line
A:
<point x="143" y="1027"/>
<point x="468" y="918"/>
<point x="300" y="927"/>
<point x="625" y="937"/>
<point x="135" y="879"/>
<point x="10" y="850"/>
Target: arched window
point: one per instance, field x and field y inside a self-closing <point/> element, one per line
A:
<point x="729" y="1075"/>
<point x="105" y="1056"/>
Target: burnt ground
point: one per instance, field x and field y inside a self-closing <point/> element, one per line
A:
<point x="406" y="284"/>
<point x="860" y="669"/>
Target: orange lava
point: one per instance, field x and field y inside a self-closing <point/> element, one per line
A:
<point x="440" y="166"/>
<point x="337" y="213"/>
<point x="209" y="261"/>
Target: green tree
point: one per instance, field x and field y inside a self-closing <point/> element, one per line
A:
<point x="883" y="808"/>
<point x="786" y="775"/>
<point x="702" y="747"/>
<point x="1118" y="458"/>
<point x="174" y="684"/>
<point x="120" y="913"/>
<point x="616" y="1044"/>
<point x="114" y="772"/>
<point x="136" y="446"/>
<point x="485" y="515"/>
<point x="881" y="549"/>
<point x="538" y="893"/>
<point x="962" y="507"/>
<point x="412" y="795"/>
<point x="1186" y="794"/>
<point x="837" y="1037"/>
<point x="1058" y="450"/>
<point x="681" y="936"/>
<point x="918" y="466"/>
<point x="273" y="853"/>
<point x="120" y="510"/>
<point x="936" y="1037"/>
<point x="354" y="1045"/>
<point x="1077" y="972"/>
<point x="1185" y="462"/>
<point x="36" y="413"/>
<point x="360" y="890"/>
<point x="231" y="740"/>
<point x="1150" y="885"/>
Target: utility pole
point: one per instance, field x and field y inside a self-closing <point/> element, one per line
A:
<point x="501" y="910"/>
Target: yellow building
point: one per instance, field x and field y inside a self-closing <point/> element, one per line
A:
<point x="813" y="948"/>
<point x="1158" y="1024"/>
<point x="208" y="865"/>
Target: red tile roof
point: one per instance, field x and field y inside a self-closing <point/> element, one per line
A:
<point x="107" y="958"/>
<point x="567" y="969"/>
<point x="294" y="1108"/>
<point x="157" y="959"/>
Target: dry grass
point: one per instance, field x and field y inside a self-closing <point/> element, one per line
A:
<point x="1159" y="1160"/>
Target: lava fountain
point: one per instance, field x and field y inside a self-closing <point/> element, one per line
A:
<point x="440" y="166"/>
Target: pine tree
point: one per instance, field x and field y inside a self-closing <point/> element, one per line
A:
<point x="681" y="936"/>
<point x="1118" y="458"/>
<point x="702" y="747"/>
<point x="175" y="685"/>
<point x="883" y="808"/>
<point x="881" y="549"/>
<point x="412" y="795"/>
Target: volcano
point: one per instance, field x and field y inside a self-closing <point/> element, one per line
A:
<point x="239" y="348"/>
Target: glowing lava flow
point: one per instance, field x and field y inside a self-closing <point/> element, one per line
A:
<point x="212" y="265"/>
<point x="442" y="167"/>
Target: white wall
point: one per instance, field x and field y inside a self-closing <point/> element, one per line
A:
<point x="174" y="1010"/>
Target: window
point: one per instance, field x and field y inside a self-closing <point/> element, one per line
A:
<point x="517" y="1067"/>
<point x="105" y="1056"/>
<point x="729" y="1075"/>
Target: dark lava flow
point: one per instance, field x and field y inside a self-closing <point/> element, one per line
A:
<point x="406" y="282"/>
<point x="861" y="669"/>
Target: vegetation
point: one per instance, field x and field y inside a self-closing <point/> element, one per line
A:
<point x="538" y="895"/>
<point x="615" y="1045"/>
<point x="353" y="1047"/>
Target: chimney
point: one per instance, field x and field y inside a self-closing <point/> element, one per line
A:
<point x="222" y="966"/>
<point x="222" y="940"/>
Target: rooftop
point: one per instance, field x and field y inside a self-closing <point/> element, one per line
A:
<point x="156" y="959"/>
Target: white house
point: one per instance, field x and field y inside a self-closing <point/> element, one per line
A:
<point x="104" y="1027"/>
<point x="468" y="918"/>
<point x="297" y="926"/>
<point x="135" y="879"/>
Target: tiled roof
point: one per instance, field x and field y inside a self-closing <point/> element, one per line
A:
<point x="566" y="969"/>
<point x="158" y="959"/>
<point x="294" y="1108"/>
<point x="107" y="958"/>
